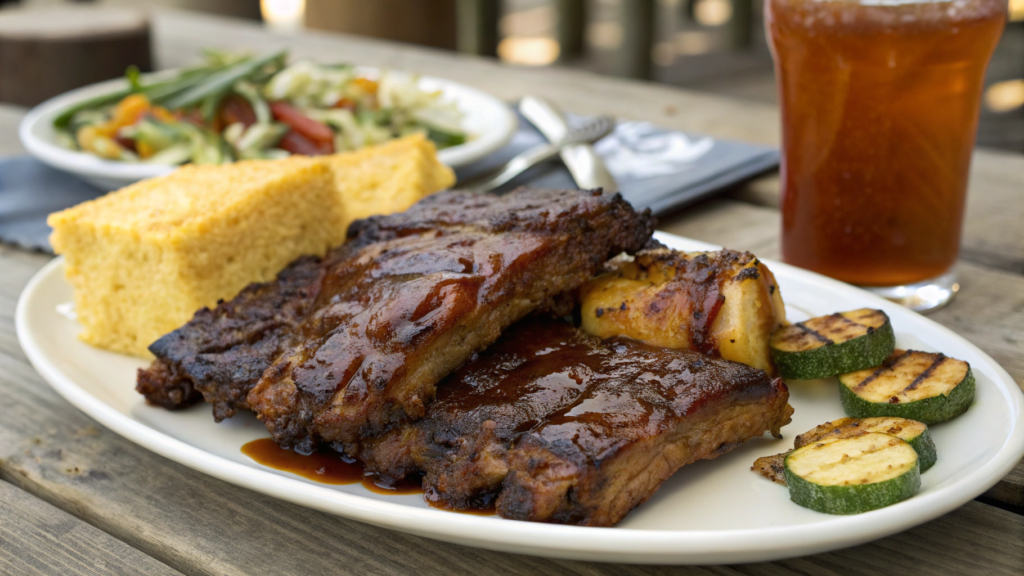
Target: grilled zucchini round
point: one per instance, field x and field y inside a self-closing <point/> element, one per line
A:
<point x="853" y="475"/>
<point x="910" y="431"/>
<point x="834" y="344"/>
<point x="924" y="386"/>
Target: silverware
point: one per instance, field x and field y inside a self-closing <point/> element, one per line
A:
<point x="586" y="167"/>
<point x="584" y="135"/>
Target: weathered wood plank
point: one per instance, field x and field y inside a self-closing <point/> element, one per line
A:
<point x="10" y="117"/>
<point x="992" y="232"/>
<point x="37" y="538"/>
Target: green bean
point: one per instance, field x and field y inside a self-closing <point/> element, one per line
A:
<point x="187" y="79"/>
<point x="209" y="105"/>
<point x="220" y="81"/>
<point x="156" y="92"/>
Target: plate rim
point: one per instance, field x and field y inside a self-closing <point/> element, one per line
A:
<point x="626" y="545"/>
<point x="86" y="165"/>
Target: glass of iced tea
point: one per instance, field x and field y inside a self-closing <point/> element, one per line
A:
<point x="880" y="102"/>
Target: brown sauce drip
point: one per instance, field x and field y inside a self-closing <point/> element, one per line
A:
<point x="327" y="466"/>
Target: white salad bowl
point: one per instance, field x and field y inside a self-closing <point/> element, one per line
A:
<point x="488" y="121"/>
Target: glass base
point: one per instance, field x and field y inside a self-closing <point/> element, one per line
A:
<point x="922" y="296"/>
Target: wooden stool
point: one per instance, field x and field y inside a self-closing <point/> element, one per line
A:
<point x="46" y="52"/>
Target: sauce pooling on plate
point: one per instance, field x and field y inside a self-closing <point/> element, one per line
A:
<point x="329" y="467"/>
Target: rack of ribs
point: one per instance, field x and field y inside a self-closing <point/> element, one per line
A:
<point x="563" y="427"/>
<point x="346" y="347"/>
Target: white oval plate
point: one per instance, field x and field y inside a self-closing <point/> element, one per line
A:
<point x="714" y="511"/>
<point x="488" y="121"/>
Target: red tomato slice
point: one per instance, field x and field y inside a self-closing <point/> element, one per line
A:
<point x="311" y="129"/>
<point x="296" y="143"/>
<point x="236" y="109"/>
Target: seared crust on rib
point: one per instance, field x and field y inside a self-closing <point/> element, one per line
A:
<point x="380" y="320"/>
<point x="221" y="353"/>
<point x="536" y="368"/>
<point x="578" y="430"/>
<point x="413" y="295"/>
<point x="596" y="460"/>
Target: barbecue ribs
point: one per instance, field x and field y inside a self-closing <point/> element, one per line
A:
<point x="571" y="429"/>
<point x="345" y="347"/>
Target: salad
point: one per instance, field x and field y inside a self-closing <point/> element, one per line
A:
<point x="236" y="106"/>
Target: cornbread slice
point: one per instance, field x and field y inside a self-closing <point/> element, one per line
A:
<point x="389" y="177"/>
<point x="143" y="259"/>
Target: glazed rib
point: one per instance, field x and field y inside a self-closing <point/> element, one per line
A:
<point x="221" y="353"/>
<point x="536" y="368"/>
<point x="594" y="461"/>
<point x="512" y="416"/>
<point x="384" y="317"/>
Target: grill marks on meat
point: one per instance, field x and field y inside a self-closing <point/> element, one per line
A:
<point x="574" y="430"/>
<point x="384" y="317"/>
<point x="536" y="368"/>
<point x="221" y="353"/>
<point x="592" y="463"/>
<point x="419" y="292"/>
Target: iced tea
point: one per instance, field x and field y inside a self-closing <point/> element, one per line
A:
<point x="880" y="103"/>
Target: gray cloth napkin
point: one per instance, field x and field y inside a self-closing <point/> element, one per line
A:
<point x="655" y="168"/>
<point x="29" y="191"/>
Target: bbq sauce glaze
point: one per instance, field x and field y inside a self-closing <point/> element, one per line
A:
<point x="329" y="467"/>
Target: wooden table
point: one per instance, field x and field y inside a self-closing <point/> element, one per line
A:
<point x="78" y="499"/>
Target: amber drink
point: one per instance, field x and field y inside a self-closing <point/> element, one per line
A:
<point x="880" y="103"/>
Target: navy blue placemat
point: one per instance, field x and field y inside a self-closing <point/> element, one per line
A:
<point x="655" y="168"/>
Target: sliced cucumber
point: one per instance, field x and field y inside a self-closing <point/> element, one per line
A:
<point x="853" y="475"/>
<point x="833" y="344"/>
<point x="910" y="431"/>
<point x="924" y="386"/>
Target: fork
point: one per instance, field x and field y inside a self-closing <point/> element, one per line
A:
<point x="588" y="133"/>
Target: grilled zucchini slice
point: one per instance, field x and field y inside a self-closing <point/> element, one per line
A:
<point x="834" y="344"/>
<point x="925" y="386"/>
<point x="910" y="431"/>
<point x="853" y="475"/>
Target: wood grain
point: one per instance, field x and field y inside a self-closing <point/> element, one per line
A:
<point x="44" y="53"/>
<point x="37" y="538"/>
<point x="10" y="117"/>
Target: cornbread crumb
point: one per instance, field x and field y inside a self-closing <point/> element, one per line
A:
<point x="144" y="259"/>
<point x="389" y="177"/>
